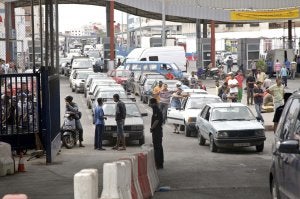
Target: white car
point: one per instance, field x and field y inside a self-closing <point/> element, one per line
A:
<point x="228" y="125"/>
<point x="191" y="106"/>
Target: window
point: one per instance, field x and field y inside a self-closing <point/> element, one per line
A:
<point x="229" y="25"/>
<point x="152" y="67"/>
<point x="254" y="25"/>
<point x="136" y="67"/>
<point x="153" y="58"/>
<point x="145" y="67"/>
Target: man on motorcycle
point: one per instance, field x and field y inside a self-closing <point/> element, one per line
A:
<point x="72" y="108"/>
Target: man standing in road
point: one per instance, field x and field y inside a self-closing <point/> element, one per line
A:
<point x="229" y="64"/>
<point x="157" y="134"/>
<point x="277" y="91"/>
<point x="279" y="110"/>
<point x="240" y="79"/>
<point x="156" y="90"/>
<point x="250" y="86"/>
<point x="164" y="103"/>
<point x="283" y="75"/>
<point x="99" y="123"/>
<point x="277" y="67"/>
<point x="253" y="68"/>
<point x="120" y="119"/>
<point x="233" y="88"/>
<point x="72" y="108"/>
<point x="258" y="100"/>
<point x="260" y="76"/>
<point x="293" y="69"/>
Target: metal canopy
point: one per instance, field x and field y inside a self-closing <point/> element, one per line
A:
<point x="188" y="10"/>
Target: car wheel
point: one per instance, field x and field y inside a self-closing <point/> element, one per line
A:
<point x="274" y="190"/>
<point x="142" y="141"/>
<point x="187" y="131"/>
<point x="260" y="148"/>
<point x="212" y="146"/>
<point x="201" y="139"/>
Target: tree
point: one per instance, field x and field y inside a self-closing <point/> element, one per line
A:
<point x="261" y="64"/>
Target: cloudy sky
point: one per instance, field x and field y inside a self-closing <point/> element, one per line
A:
<point x="72" y="16"/>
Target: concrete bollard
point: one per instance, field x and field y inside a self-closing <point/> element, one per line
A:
<point x="135" y="176"/>
<point x="94" y="173"/>
<point x="6" y="160"/>
<point x="124" y="181"/>
<point x="110" y="179"/>
<point x="151" y="170"/>
<point x="143" y="175"/>
<point x="84" y="185"/>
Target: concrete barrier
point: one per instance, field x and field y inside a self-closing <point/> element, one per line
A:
<point x="124" y="181"/>
<point x="15" y="196"/>
<point x="86" y="177"/>
<point x="151" y="169"/>
<point x="143" y="175"/>
<point x="6" y="160"/>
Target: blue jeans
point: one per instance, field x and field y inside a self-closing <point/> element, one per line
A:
<point x="120" y="128"/>
<point x="98" y="136"/>
<point x="258" y="111"/>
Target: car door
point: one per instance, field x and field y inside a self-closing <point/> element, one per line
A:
<point x="282" y="134"/>
<point x="176" y="116"/>
<point x="201" y="122"/>
<point x="206" y="124"/>
<point x="291" y="162"/>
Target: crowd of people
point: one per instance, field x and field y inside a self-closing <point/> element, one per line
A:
<point x="7" y="68"/>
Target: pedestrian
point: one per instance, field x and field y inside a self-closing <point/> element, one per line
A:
<point x="157" y="134"/>
<point x="223" y="91"/>
<point x="293" y="69"/>
<point x="287" y="64"/>
<point x="277" y="91"/>
<point x="278" y="111"/>
<point x="156" y="90"/>
<point x="267" y="83"/>
<point x="250" y="81"/>
<point x="298" y="63"/>
<point x="12" y="68"/>
<point x="240" y="79"/>
<point x="119" y="63"/>
<point x="217" y="83"/>
<point x="99" y="124"/>
<point x="253" y="68"/>
<point x="164" y="103"/>
<point x="229" y="64"/>
<point x="283" y="75"/>
<point x="277" y="67"/>
<point x="260" y="75"/>
<point x="193" y="79"/>
<point x="233" y="88"/>
<point x="72" y="107"/>
<point x="120" y="120"/>
<point x="258" y="100"/>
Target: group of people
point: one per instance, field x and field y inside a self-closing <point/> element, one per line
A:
<point x="9" y="68"/>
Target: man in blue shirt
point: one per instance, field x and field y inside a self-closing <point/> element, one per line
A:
<point x="99" y="123"/>
<point x="283" y="74"/>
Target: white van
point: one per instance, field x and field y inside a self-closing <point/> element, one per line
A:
<point x="173" y="54"/>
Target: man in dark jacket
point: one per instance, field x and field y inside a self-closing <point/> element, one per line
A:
<point x="120" y="119"/>
<point x="72" y="108"/>
<point x="157" y="134"/>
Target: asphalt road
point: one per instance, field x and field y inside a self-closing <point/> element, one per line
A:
<point x="190" y="170"/>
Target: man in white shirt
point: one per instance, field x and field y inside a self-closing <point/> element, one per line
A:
<point x="233" y="88"/>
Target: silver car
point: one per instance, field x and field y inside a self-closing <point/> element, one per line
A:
<point x="228" y="125"/>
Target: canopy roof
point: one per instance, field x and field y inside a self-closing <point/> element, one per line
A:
<point x="189" y="10"/>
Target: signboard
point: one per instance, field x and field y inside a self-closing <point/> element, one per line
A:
<point x="264" y="15"/>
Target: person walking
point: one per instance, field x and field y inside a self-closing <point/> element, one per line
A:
<point x="283" y="75"/>
<point x="240" y="79"/>
<point x="277" y="67"/>
<point x="250" y="86"/>
<point x="253" y="68"/>
<point x="157" y="134"/>
<point x="229" y="64"/>
<point x="260" y="76"/>
<point x="72" y="108"/>
<point x="164" y="103"/>
<point x="277" y="91"/>
<point x="99" y="124"/>
<point x="12" y="68"/>
<point x="193" y="79"/>
<point x="120" y="119"/>
<point x="258" y="100"/>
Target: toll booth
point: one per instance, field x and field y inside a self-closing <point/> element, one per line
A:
<point x="248" y="50"/>
<point x="205" y="51"/>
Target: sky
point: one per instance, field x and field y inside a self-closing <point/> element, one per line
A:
<point x="72" y="16"/>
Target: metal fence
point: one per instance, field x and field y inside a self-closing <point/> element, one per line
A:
<point x="20" y="107"/>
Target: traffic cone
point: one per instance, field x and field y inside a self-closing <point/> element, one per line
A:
<point x="21" y="166"/>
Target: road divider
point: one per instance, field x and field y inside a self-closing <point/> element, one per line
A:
<point x="7" y="166"/>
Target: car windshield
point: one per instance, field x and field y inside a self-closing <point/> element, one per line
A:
<point x="131" y="110"/>
<point x="232" y="113"/>
<point x="82" y="75"/>
<point x="122" y="73"/>
<point x="109" y="94"/>
<point x="200" y="102"/>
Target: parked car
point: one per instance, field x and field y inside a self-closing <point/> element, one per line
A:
<point x="228" y="125"/>
<point x="75" y="71"/>
<point x="78" y="80"/>
<point x="171" y="84"/>
<point x="186" y="116"/>
<point x="143" y="78"/>
<point x="284" y="174"/>
<point x="120" y="76"/>
<point x="90" y="78"/>
<point x="64" y="65"/>
<point x="145" y="89"/>
<point x="134" y="124"/>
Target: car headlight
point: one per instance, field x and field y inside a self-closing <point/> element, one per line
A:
<point x="137" y="128"/>
<point x="192" y="119"/>
<point x="260" y="133"/>
<point x="108" y="128"/>
<point x="222" y="134"/>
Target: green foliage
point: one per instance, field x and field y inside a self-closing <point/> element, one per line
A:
<point x="261" y="64"/>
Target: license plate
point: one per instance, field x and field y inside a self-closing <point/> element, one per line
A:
<point x="116" y="135"/>
<point x="241" y="144"/>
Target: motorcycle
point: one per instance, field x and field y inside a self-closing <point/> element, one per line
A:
<point x="69" y="133"/>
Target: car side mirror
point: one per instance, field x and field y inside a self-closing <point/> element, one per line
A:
<point x="289" y="146"/>
<point x="144" y="114"/>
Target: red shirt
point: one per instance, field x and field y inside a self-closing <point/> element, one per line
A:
<point x="240" y="79"/>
